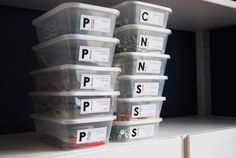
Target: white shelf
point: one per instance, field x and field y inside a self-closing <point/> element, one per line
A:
<point x="188" y="14"/>
<point x="170" y="134"/>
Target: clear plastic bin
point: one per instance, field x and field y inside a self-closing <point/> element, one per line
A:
<point x="139" y="108"/>
<point x="135" y="12"/>
<point x="141" y="38"/>
<point x="75" y="104"/>
<point x="139" y="63"/>
<point x="134" y="130"/>
<point x="74" y="78"/>
<point x="76" y="49"/>
<point x="74" y="133"/>
<point x="140" y="85"/>
<point x="78" y="18"/>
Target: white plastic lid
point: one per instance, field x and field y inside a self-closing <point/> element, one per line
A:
<point x="76" y="93"/>
<point x="142" y="77"/>
<point x="143" y="4"/>
<point x="76" y="67"/>
<point x="141" y="99"/>
<point x="74" y="5"/>
<point x="73" y="121"/>
<point x="75" y="37"/>
<point x="142" y="27"/>
<point x="136" y="122"/>
<point x="143" y="54"/>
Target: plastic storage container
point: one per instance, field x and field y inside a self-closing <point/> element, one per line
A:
<point x="74" y="133"/>
<point x="134" y="130"/>
<point x="74" y="78"/>
<point x="139" y="63"/>
<point x="76" y="49"/>
<point x="135" y="12"/>
<point x="76" y="18"/>
<point x="140" y="85"/>
<point x="139" y="108"/>
<point x="77" y="104"/>
<point x="140" y="38"/>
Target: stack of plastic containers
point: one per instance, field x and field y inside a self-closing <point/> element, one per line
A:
<point x="142" y="59"/>
<point x="75" y="95"/>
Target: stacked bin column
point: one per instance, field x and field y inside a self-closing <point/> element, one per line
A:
<point x="75" y="95"/>
<point x="142" y="59"/>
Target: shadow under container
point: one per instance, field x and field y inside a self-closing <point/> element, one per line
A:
<point x="140" y="85"/>
<point x="74" y="104"/>
<point x="139" y="63"/>
<point x="139" y="108"/>
<point x="74" y="78"/>
<point x="76" y="18"/>
<point x="76" y="49"/>
<point x="123" y="131"/>
<point x="136" y="12"/>
<point x="74" y="133"/>
<point x="141" y="38"/>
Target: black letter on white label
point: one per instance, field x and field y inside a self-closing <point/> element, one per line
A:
<point x="141" y="66"/>
<point x="86" y="80"/>
<point x="81" y="136"/>
<point x="86" y="21"/>
<point x="86" y="104"/>
<point x="134" y="132"/>
<point x="144" y="41"/>
<point x="136" y="111"/>
<point x="139" y="89"/>
<point x="143" y="16"/>
<point x="84" y="52"/>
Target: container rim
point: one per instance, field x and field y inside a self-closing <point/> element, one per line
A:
<point x="74" y="5"/>
<point x="142" y="27"/>
<point x="141" y="99"/>
<point x="76" y="93"/>
<point x="149" y="54"/>
<point x="72" y="121"/>
<point x="75" y="67"/>
<point x="75" y="37"/>
<point x="142" y="77"/>
<point x="143" y="4"/>
<point x="136" y="122"/>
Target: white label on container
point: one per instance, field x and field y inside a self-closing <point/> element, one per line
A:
<point x="98" y="54"/>
<point x="151" y="42"/>
<point x="97" y="105"/>
<point x="146" y="88"/>
<point x="145" y="110"/>
<point x="148" y="66"/>
<point x="151" y="17"/>
<point x="90" y="81"/>
<point x="91" y="135"/>
<point x="143" y="131"/>
<point x="95" y="23"/>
